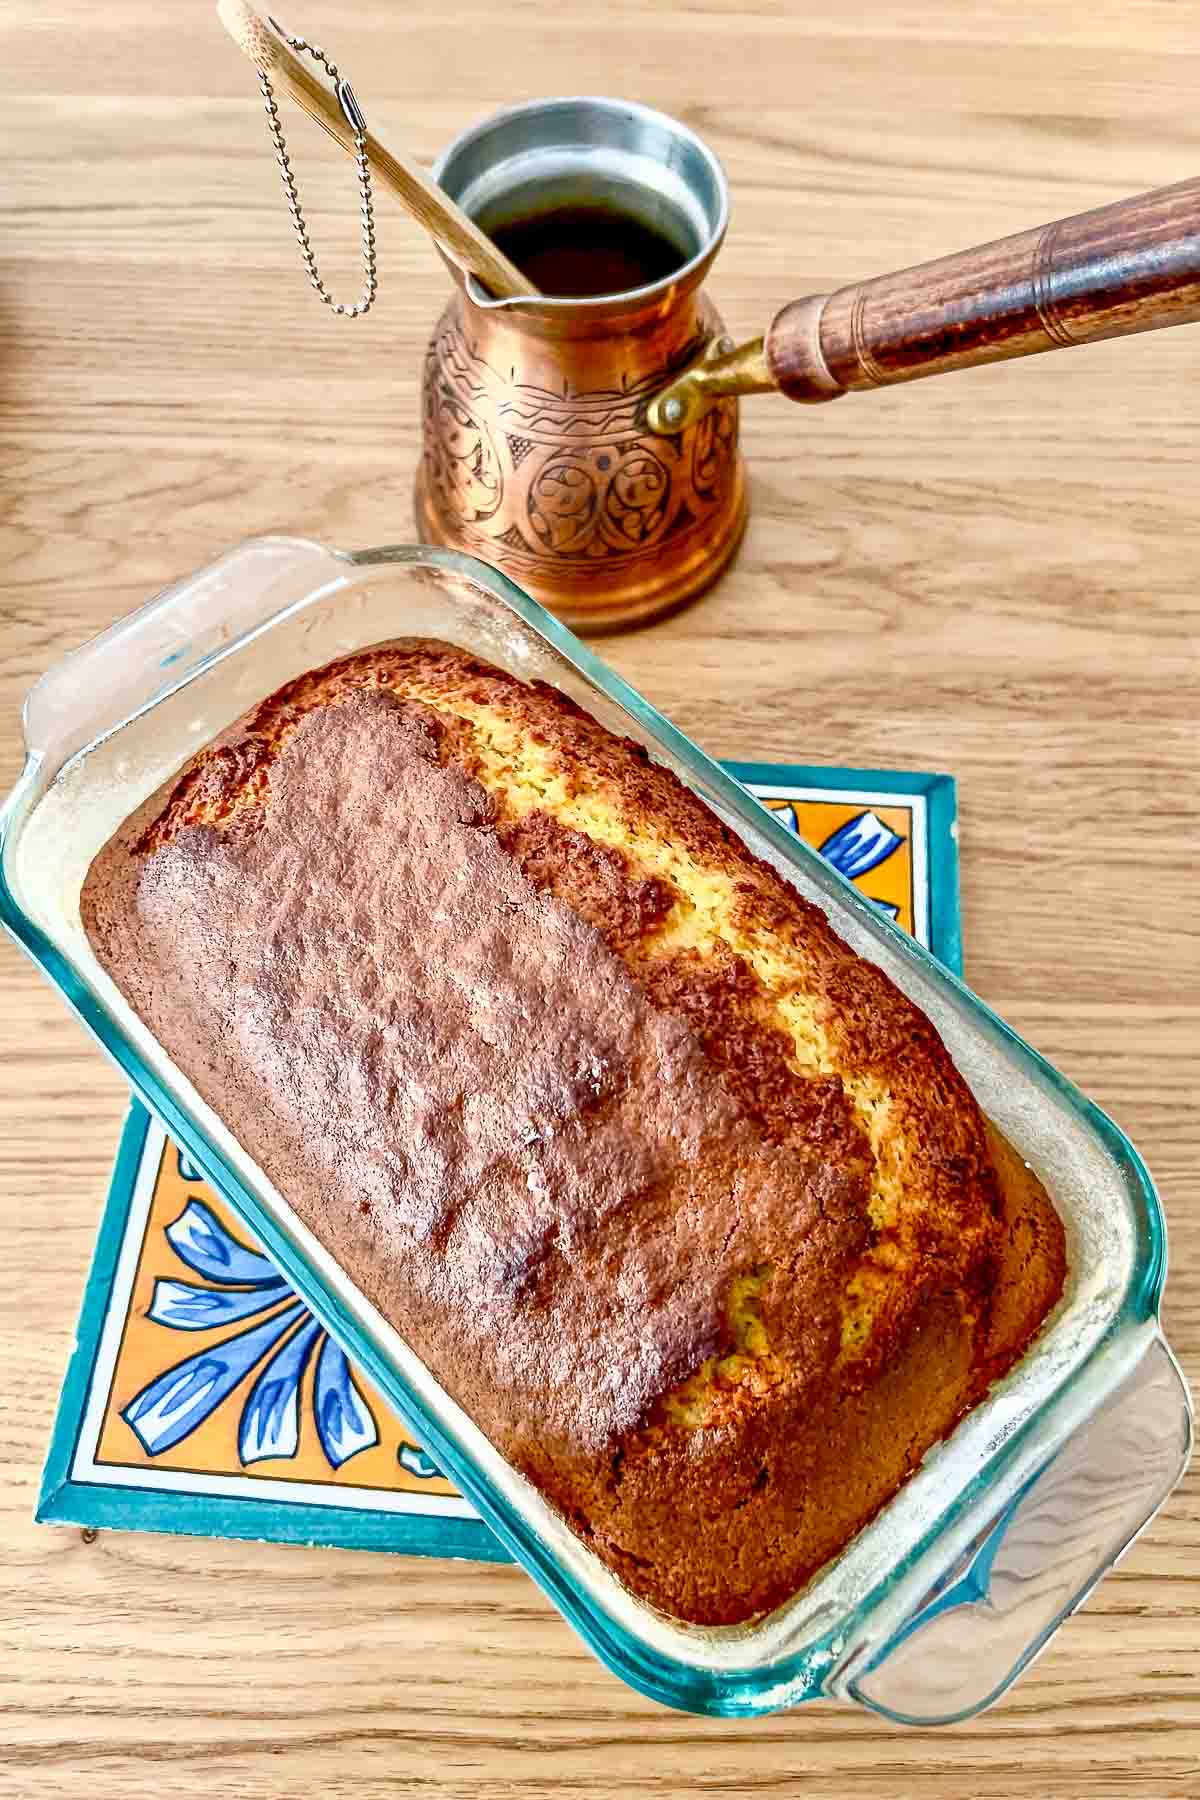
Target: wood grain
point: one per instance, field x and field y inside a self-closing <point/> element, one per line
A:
<point x="994" y="575"/>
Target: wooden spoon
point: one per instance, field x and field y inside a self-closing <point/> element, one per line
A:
<point x="421" y="198"/>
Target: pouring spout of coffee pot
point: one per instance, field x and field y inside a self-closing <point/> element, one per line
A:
<point x="1129" y="267"/>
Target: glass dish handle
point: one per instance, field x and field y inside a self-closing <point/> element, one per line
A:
<point x="167" y="640"/>
<point x="987" y="1618"/>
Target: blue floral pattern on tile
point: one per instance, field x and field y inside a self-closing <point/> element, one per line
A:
<point x="418" y="1462"/>
<point x="270" y="1422"/>
<point x="855" y="848"/>
<point x="860" y="845"/>
<point x="241" y="1285"/>
<point x="344" y="1422"/>
<point x="200" y="1240"/>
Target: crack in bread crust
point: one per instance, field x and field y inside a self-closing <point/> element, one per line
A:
<point x="850" y="1205"/>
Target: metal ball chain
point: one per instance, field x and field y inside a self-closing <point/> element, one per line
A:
<point x="358" y="126"/>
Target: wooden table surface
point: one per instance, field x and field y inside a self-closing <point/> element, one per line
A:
<point x="994" y="573"/>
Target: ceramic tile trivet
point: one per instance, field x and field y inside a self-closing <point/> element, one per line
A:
<point x="203" y="1396"/>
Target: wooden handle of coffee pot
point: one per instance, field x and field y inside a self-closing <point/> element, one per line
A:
<point x="1133" y="266"/>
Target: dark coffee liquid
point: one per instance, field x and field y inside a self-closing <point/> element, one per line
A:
<point x="572" y="252"/>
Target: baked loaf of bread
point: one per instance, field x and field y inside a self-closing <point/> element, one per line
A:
<point x="679" y="1198"/>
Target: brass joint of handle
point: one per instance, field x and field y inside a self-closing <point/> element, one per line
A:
<point x="790" y="360"/>
<point x="723" y="368"/>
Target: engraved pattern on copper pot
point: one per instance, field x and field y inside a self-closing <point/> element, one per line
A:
<point x="538" y="455"/>
<point x="569" y="475"/>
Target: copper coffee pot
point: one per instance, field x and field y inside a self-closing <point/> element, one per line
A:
<point x="589" y="446"/>
<point x="538" y="456"/>
<point x="536" y="453"/>
<point x="583" y="439"/>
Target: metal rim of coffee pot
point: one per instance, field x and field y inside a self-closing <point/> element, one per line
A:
<point x="583" y="146"/>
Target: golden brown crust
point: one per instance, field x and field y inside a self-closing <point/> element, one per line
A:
<point x="758" y="1184"/>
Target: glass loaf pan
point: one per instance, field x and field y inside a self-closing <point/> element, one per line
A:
<point x="934" y="1608"/>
